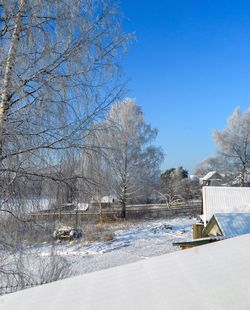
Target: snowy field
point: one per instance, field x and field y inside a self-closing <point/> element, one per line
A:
<point x="132" y="243"/>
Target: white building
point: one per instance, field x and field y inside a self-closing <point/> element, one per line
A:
<point x="224" y="200"/>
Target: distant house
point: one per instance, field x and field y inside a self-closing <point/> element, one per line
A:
<point x="228" y="225"/>
<point x="104" y="199"/>
<point x="213" y="178"/>
<point x="220" y="199"/>
<point x="82" y="206"/>
<point x="108" y="199"/>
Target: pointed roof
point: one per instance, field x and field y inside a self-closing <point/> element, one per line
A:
<point x="212" y="174"/>
<point x="233" y="224"/>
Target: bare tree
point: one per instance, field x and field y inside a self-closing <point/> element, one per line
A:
<point x="216" y="163"/>
<point x="233" y="143"/>
<point x="133" y="161"/>
<point x="59" y="65"/>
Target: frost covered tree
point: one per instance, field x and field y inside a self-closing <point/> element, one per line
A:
<point x="58" y="73"/>
<point x="133" y="161"/>
<point x="59" y="64"/>
<point x="233" y="143"/>
<point x="216" y="163"/>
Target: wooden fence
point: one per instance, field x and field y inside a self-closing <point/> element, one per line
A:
<point x="114" y="212"/>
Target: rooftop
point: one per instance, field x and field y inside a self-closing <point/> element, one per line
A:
<point x="211" y="174"/>
<point x="233" y="224"/>
<point x="199" y="278"/>
<point x="221" y="199"/>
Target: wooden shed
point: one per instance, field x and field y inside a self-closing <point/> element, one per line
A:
<point x="213" y="178"/>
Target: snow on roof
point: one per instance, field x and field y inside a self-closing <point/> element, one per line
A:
<point x="233" y="224"/>
<point x="223" y="199"/>
<point x="108" y="199"/>
<point x="82" y="206"/>
<point x="210" y="174"/>
<point x="199" y="278"/>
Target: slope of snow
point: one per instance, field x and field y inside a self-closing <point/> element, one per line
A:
<point x="199" y="278"/>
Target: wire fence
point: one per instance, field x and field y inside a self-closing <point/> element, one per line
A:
<point x="8" y="289"/>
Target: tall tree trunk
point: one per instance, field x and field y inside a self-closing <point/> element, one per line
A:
<point x="125" y="181"/>
<point x="243" y="175"/>
<point x="5" y="92"/>
<point x="124" y="200"/>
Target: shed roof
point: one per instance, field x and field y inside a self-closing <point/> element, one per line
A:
<point x="212" y="174"/>
<point x="200" y="241"/>
<point x="173" y="281"/>
<point x="82" y="206"/>
<point x="233" y="224"/>
<point x="220" y="199"/>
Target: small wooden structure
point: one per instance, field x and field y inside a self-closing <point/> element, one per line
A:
<point x="213" y="178"/>
<point x="197" y="230"/>
<point x="193" y="243"/>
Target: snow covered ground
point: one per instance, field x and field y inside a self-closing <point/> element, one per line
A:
<point x="135" y="242"/>
<point x="130" y="242"/>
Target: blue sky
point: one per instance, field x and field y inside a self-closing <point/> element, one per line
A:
<point x="189" y="68"/>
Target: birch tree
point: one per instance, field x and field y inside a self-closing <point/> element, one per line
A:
<point x="58" y="73"/>
<point x="133" y="160"/>
<point x="216" y="163"/>
<point x="59" y="65"/>
<point x="233" y="143"/>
